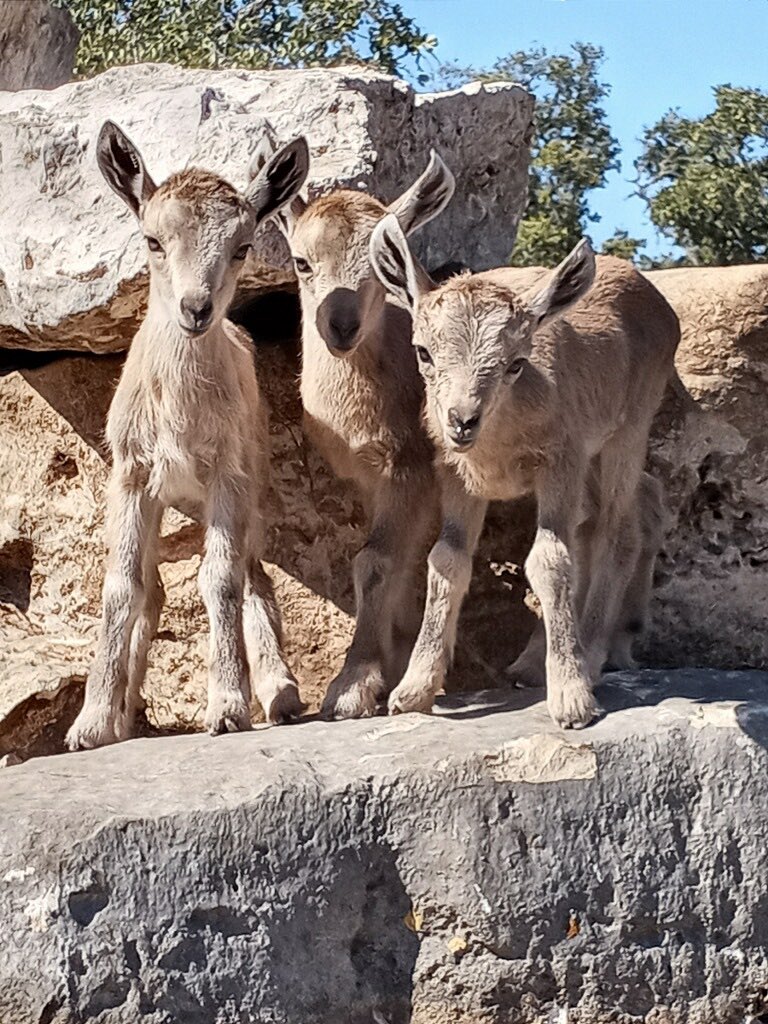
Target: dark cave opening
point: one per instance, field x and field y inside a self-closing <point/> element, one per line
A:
<point x="270" y="318"/>
<point x="16" y="563"/>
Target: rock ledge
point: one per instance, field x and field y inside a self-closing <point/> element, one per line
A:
<point x="476" y="866"/>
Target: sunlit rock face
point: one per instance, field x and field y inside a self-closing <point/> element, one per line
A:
<point x="710" y="448"/>
<point x="72" y="263"/>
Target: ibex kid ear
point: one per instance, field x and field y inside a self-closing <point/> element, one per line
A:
<point x="392" y="261"/>
<point x="279" y="180"/>
<point x="567" y="284"/>
<point x="427" y="197"/>
<point x="265" y="150"/>
<point x="121" y="164"/>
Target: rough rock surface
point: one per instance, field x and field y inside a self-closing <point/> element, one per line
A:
<point x="711" y="450"/>
<point x="51" y="562"/>
<point x="73" y="268"/>
<point x="37" y="43"/>
<point x="474" y="867"/>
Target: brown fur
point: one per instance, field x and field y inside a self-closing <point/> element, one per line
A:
<point x="197" y="187"/>
<point x="362" y="396"/>
<point x="187" y="425"/>
<point x="344" y="208"/>
<point x="528" y="396"/>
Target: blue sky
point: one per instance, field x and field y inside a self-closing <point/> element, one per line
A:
<point x="659" y="54"/>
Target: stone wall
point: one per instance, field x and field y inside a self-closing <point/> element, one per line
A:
<point x="710" y="601"/>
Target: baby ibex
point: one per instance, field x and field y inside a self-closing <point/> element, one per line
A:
<point x="188" y="424"/>
<point x="524" y="400"/>
<point x="362" y="397"/>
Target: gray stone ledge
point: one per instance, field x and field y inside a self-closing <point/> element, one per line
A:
<point x="413" y="869"/>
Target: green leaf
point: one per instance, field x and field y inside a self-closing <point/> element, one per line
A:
<point x="705" y="181"/>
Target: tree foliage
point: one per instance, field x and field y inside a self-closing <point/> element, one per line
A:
<point x="252" y="34"/>
<point x="624" y="246"/>
<point x="572" y="150"/>
<point x="706" y="181"/>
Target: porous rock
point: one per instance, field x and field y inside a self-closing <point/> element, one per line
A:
<point x="37" y="44"/>
<point x="710" y="448"/>
<point x="474" y="867"/>
<point x="52" y="561"/>
<point x="73" y="268"/>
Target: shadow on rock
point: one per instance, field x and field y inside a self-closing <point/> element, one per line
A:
<point x="462" y="707"/>
<point x="727" y="698"/>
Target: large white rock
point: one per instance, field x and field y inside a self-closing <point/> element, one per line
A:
<point x="72" y="264"/>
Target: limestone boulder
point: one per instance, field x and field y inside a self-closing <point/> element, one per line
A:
<point x="473" y="867"/>
<point x="72" y="263"/>
<point x="37" y="43"/>
<point x="711" y="450"/>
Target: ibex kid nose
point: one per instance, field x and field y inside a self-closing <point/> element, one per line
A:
<point x="343" y="330"/>
<point x="196" y="310"/>
<point x="463" y="429"/>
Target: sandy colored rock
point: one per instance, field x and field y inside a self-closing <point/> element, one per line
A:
<point x="51" y="570"/>
<point x="711" y="450"/>
<point x="73" y="269"/>
<point x="37" y="43"/>
<point x="51" y="555"/>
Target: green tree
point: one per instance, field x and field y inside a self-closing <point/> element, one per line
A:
<point x="621" y="244"/>
<point x="706" y="181"/>
<point x="252" y="34"/>
<point x="572" y="149"/>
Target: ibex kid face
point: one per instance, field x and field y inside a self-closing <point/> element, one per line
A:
<point x="339" y="292"/>
<point x="472" y="343"/>
<point x="198" y="228"/>
<point x="198" y="231"/>
<point x="340" y="295"/>
<point x="472" y="337"/>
